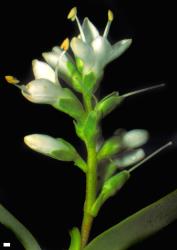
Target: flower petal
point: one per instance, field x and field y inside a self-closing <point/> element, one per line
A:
<point x="43" y="70"/>
<point x="42" y="143"/>
<point x="119" y="48"/>
<point x="84" y="52"/>
<point x="55" y="59"/>
<point x="102" y="49"/>
<point x="41" y="91"/>
<point x="90" y="31"/>
<point x="135" y="138"/>
<point x="130" y="158"/>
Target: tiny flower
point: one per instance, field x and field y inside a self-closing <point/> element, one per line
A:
<point x="47" y="145"/>
<point x="45" y="89"/>
<point x="62" y="62"/>
<point x="94" y="49"/>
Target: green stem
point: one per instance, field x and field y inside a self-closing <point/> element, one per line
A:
<point x="87" y="102"/>
<point x="91" y="182"/>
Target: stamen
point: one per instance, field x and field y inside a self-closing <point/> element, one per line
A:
<point x="143" y="90"/>
<point x="151" y="155"/>
<point x="65" y="44"/>
<point x="110" y="16"/>
<point x="12" y="79"/>
<point x="108" y="25"/>
<point x="65" y="47"/>
<point x="73" y="16"/>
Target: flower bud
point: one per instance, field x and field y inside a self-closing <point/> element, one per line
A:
<point x="41" y="91"/>
<point x="129" y="158"/>
<point x="47" y="145"/>
<point x="135" y="138"/>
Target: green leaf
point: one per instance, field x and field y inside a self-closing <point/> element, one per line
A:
<point x="90" y="129"/>
<point x="66" y="153"/>
<point x="20" y="231"/>
<point x="139" y="226"/>
<point x="89" y="82"/>
<point x="70" y="105"/>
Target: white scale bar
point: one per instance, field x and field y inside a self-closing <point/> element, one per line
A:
<point x="6" y="244"/>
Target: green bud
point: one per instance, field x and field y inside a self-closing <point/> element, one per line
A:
<point x="79" y="64"/>
<point x="110" y="188"/>
<point x="108" y="104"/>
<point x="70" y="104"/>
<point x="111" y="147"/>
<point x="114" y="184"/>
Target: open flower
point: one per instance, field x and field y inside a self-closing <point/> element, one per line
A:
<point x="46" y="89"/>
<point x="94" y="49"/>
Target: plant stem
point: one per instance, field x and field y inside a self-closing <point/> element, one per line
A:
<point x="91" y="183"/>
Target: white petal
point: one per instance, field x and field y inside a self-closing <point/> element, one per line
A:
<point x="84" y="52"/>
<point x="55" y="59"/>
<point x="135" y="138"/>
<point x="119" y="48"/>
<point x="130" y="158"/>
<point x="51" y="58"/>
<point x="90" y="31"/>
<point x="42" y="91"/>
<point x="43" y="70"/>
<point x="42" y="143"/>
<point x="102" y="49"/>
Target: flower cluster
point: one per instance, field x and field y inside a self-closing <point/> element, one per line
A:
<point x="82" y="73"/>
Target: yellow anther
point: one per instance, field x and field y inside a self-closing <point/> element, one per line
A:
<point x="72" y="14"/>
<point x="65" y="44"/>
<point x="12" y="79"/>
<point x="110" y="16"/>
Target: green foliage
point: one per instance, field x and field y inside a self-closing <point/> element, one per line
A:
<point x="89" y="83"/>
<point x="138" y="226"/>
<point x="70" y="105"/>
<point x="66" y="153"/>
<point x="21" y="232"/>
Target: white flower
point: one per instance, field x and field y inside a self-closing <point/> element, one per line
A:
<point x="94" y="49"/>
<point x="45" y="88"/>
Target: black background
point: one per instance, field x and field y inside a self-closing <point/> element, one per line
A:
<point x="46" y="195"/>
